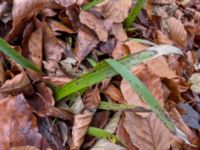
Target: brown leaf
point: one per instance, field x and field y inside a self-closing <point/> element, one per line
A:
<point x="120" y="51"/>
<point x="177" y="31"/>
<point x="24" y="148"/>
<point x="57" y="26"/>
<point x="114" y="93"/>
<point x="152" y="82"/>
<point x="53" y="69"/>
<point x="123" y="134"/>
<point x="17" y="84"/>
<point x="107" y="47"/>
<point x="162" y="38"/>
<point x="116" y="10"/>
<point x="85" y="43"/>
<point x="23" y="11"/>
<point x="147" y="133"/>
<point x="99" y="26"/>
<point x="18" y="125"/>
<point x="79" y="129"/>
<point x="56" y="81"/>
<point x="119" y="32"/>
<point x="160" y="67"/>
<point x="53" y="48"/>
<point x="2" y="73"/>
<point x="135" y="47"/>
<point x="91" y="99"/>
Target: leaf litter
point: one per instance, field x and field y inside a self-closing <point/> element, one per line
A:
<point x="58" y="92"/>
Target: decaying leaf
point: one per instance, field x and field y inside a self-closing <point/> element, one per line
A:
<point x="118" y="31"/>
<point x="120" y="51"/>
<point x="18" y="129"/>
<point x="116" y="10"/>
<point x="146" y="133"/>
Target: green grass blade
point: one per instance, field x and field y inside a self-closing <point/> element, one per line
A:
<point x="13" y="54"/>
<point x="91" y="4"/>
<point x="99" y="73"/>
<point x="103" y="71"/>
<point x="143" y="91"/>
<point x="100" y="133"/>
<point x="134" y="13"/>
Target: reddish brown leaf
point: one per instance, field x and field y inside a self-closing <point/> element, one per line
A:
<point x="80" y="127"/>
<point x="85" y="43"/>
<point x="119" y="32"/>
<point x="120" y="51"/>
<point x="113" y="93"/>
<point x="99" y="26"/>
<point x="2" y="73"/>
<point x="147" y="133"/>
<point x="153" y="83"/>
<point x="135" y="47"/>
<point x="18" y="125"/>
<point x="162" y="38"/>
<point x="91" y="99"/>
<point x="116" y="10"/>
<point x="177" y="31"/>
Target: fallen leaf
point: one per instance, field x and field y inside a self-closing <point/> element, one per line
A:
<point x="195" y="80"/>
<point x="53" y="48"/>
<point x="57" y="26"/>
<point x="56" y="81"/>
<point x="91" y="99"/>
<point x="151" y="127"/>
<point x="105" y="145"/>
<point x="65" y="3"/>
<point x="189" y="115"/>
<point x="85" y="43"/>
<point x="53" y="68"/>
<point x="113" y="93"/>
<point x="120" y="51"/>
<point x="77" y="106"/>
<point x="122" y="133"/>
<point x="115" y="10"/>
<point x="18" y="125"/>
<point x="99" y="26"/>
<point x="64" y="131"/>
<point x="119" y="32"/>
<point x="17" y="84"/>
<point x="24" y="148"/>
<point x="79" y="129"/>
<point x="163" y="2"/>
<point x="135" y="47"/>
<point x="107" y="47"/>
<point x="2" y="73"/>
<point x="162" y="38"/>
<point x="177" y="31"/>
<point x="152" y="82"/>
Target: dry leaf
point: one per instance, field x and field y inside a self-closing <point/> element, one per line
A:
<point x="120" y="51"/>
<point x="91" y="99"/>
<point x="162" y="38"/>
<point x="24" y="148"/>
<point x="2" y="73"/>
<point x="56" y="81"/>
<point x="119" y="32"/>
<point x="135" y="47"/>
<point x="177" y="31"/>
<point x="19" y="83"/>
<point x="53" y="68"/>
<point x="113" y="93"/>
<point x="152" y="82"/>
<point x="163" y="2"/>
<point x="53" y="48"/>
<point x="147" y="133"/>
<point x="85" y="43"/>
<point x="57" y="26"/>
<point x="79" y="129"/>
<point x="18" y="125"/>
<point x="107" y="47"/>
<point x="99" y="26"/>
<point x="115" y="10"/>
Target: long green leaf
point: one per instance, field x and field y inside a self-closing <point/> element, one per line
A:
<point x="103" y="71"/>
<point x="91" y="4"/>
<point x="134" y="13"/>
<point x="143" y="91"/>
<point x="13" y="54"/>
